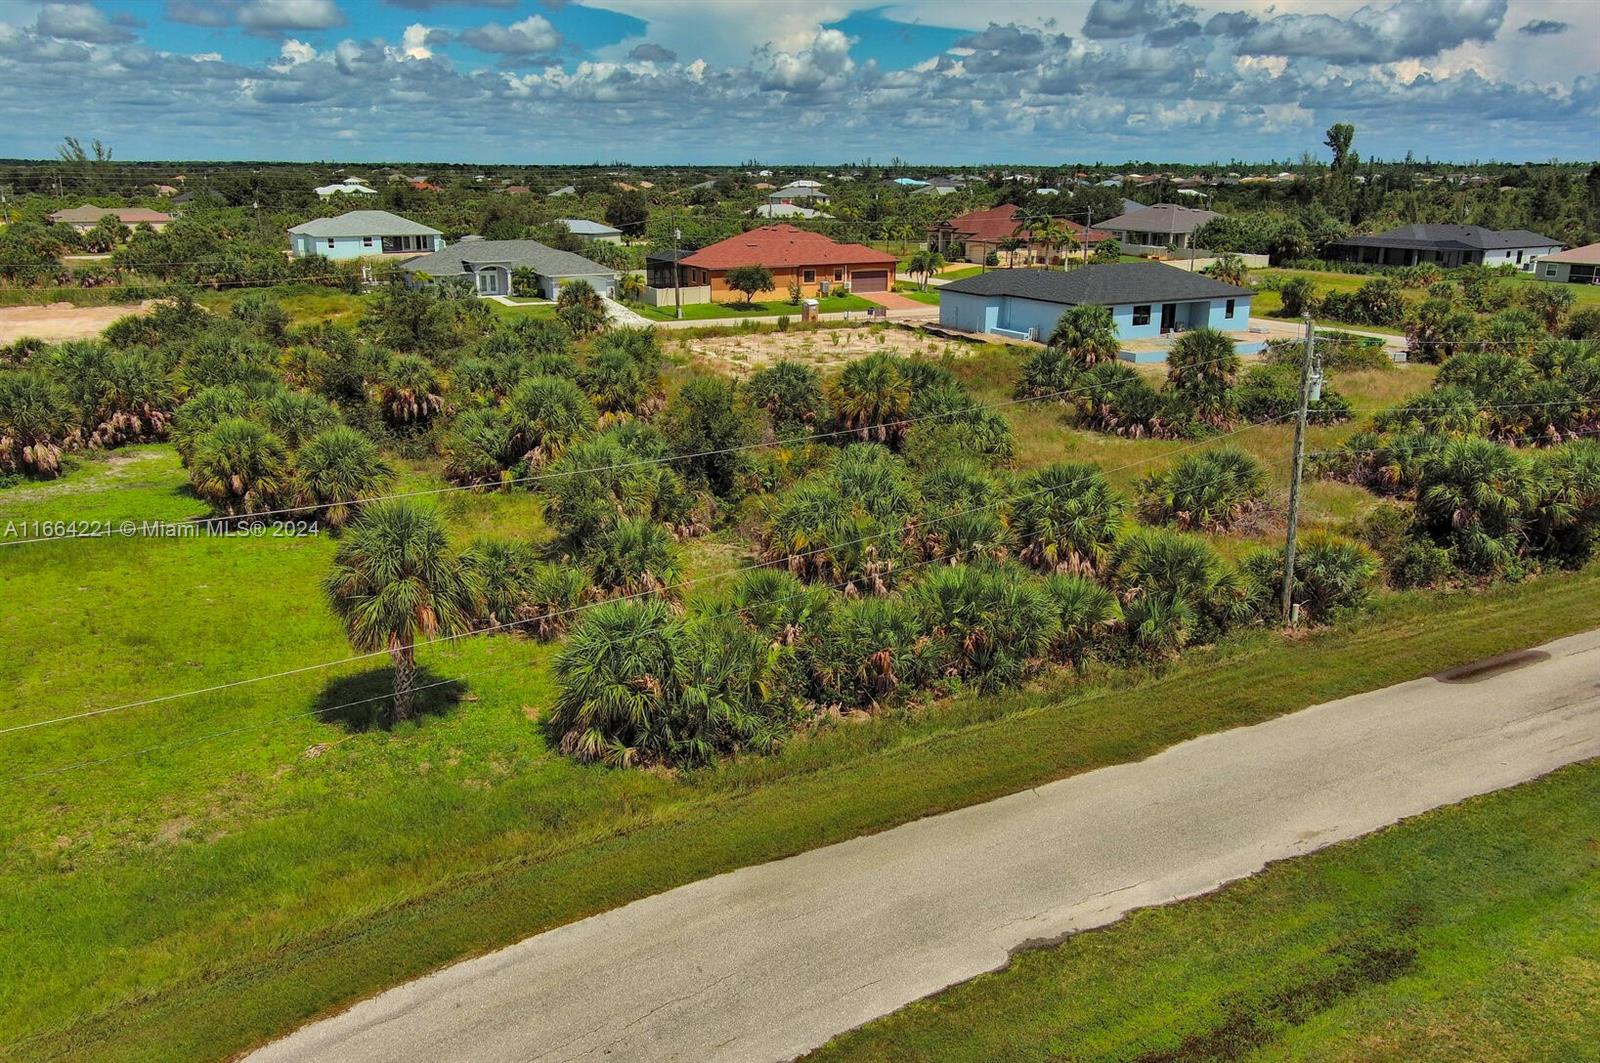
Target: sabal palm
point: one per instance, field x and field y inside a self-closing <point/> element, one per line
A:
<point x="1476" y="495"/>
<point x="395" y="578"/>
<point x="547" y="414"/>
<point x="239" y="466"/>
<point x="871" y="397"/>
<point x="1202" y="367"/>
<point x="410" y="390"/>
<point x="1209" y="490"/>
<point x="296" y="416"/>
<point x="337" y="469"/>
<point x="1066" y="517"/>
<point x="618" y="677"/>
<point x="1086" y="335"/>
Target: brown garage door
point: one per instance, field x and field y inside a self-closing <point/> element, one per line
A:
<point x="872" y="280"/>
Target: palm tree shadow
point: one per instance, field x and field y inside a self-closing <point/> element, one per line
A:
<point x="364" y="702"/>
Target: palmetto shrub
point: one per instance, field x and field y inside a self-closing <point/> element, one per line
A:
<point x="634" y="556"/>
<point x="707" y="423"/>
<point x="791" y="394"/>
<point x="1330" y="574"/>
<point x="1114" y="397"/>
<point x="35" y="421"/>
<point x="1086" y="613"/>
<point x="205" y="409"/>
<point x="1386" y="464"/>
<point x="872" y="398"/>
<point x="1451" y="410"/>
<point x="478" y="450"/>
<point x="1175" y="590"/>
<point x="240" y="467"/>
<point x="120" y="397"/>
<point x="956" y="483"/>
<point x="967" y="536"/>
<point x="1047" y="372"/>
<point x="988" y="623"/>
<point x="1086" y="335"/>
<point x="295" y="416"/>
<point x="505" y="571"/>
<point x="546" y="415"/>
<point x="1210" y="490"/>
<point x="1566" y="522"/>
<point x="637" y="685"/>
<point x="849" y="524"/>
<point x="609" y="477"/>
<point x="554" y="594"/>
<point x="950" y="421"/>
<point x="335" y="471"/>
<point x="873" y="649"/>
<point x="484" y="379"/>
<point x="1475" y="499"/>
<point x="1066" y="517"/>
<point x="1202" y="366"/>
<point x="780" y="606"/>
<point x="623" y="374"/>
<point x="409" y="390"/>
<point x="1272" y="393"/>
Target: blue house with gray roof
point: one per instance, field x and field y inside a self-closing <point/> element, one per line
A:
<point x="1148" y="300"/>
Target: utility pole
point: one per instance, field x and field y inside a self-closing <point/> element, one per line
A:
<point x="677" y="279"/>
<point x="1307" y="375"/>
<point x="1087" y="229"/>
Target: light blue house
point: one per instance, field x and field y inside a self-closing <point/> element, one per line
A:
<point x="363" y="234"/>
<point x="488" y="267"/>
<point x="1148" y="300"/>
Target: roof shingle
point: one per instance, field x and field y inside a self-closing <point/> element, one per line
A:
<point x="784" y="246"/>
<point x="1109" y="284"/>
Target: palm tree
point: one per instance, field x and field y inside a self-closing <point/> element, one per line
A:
<point x="1202" y="367"/>
<point x="1066" y="518"/>
<point x="1476" y="498"/>
<point x="635" y="557"/>
<point x="1210" y="490"/>
<point x="1229" y="268"/>
<point x="547" y="414"/>
<point x="1052" y="235"/>
<point x="337" y="469"/>
<point x="925" y="264"/>
<point x="297" y="416"/>
<point x="618" y="678"/>
<point x="871" y="397"/>
<point x="394" y="578"/>
<point x="239" y="466"/>
<point x="1087" y="334"/>
<point x="1085" y="612"/>
<point x="34" y="419"/>
<point x="409" y="390"/>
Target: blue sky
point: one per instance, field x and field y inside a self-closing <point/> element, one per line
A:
<point x="722" y="81"/>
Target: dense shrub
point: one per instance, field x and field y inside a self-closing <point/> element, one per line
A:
<point x="633" y="556"/>
<point x="709" y="425"/>
<point x="1330" y="574"/>
<point x="545" y="415"/>
<point x="335" y="471"/>
<point x="613" y="476"/>
<point x="873" y="649"/>
<point x="1066" y="518"/>
<point x="34" y="423"/>
<point x="1176" y="590"/>
<point x="872" y="398"/>
<point x="240" y="467"/>
<point x="1086" y="613"/>
<point x="1210" y="490"/>
<point x="478" y="451"/>
<point x="989" y="624"/>
<point x="849" y="524"/>
<point x="1272" y="393"/>
<point x="792" y="396"/>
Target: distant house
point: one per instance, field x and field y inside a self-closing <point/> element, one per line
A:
<point x="199" y="195"/>
<point x="974" y="235"/>
<point x="799" y="193"/>
<point x="1147" y="299"/>
<point x="85" y="218"/>
<point x="1159" y="226"/>
<point x="564" y="190"/>
<point x="787" y="210"/>
<point x="591" y="230"/>
<point x="363" y="233"/>
<point x="795" y="257"/>
<point x="1581" y="265"/>
<point x="348" y="187"/>
<point x="1447" y="246"/>
<point x="488" y="265"/>
<point x="937" y="187"/>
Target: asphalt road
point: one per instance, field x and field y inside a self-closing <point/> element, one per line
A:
<point x="770" y="961"/>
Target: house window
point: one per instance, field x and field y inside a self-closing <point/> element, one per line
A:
<point x="366" y="241"/>
<point x="1228" y="310"/>
<point x="330" y="242"/>
<point x="809" y="276"/>
<point x="1141" y="314"/>
<point x="838" y="274"/>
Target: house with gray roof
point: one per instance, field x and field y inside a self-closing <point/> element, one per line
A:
<point x="487" y="266"/>
<point x="591" y="230"/>
<point x="1147" y="300"/>
<point x="1160" y="226"/>
<point x="1447" y="246"/>
<point x="363" y="234"/>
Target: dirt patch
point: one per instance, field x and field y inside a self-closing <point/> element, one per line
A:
<point x="61" y="321"/>
<point x="823" y="349"/>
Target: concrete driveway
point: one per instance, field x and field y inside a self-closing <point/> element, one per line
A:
<point x="770" y="961"/>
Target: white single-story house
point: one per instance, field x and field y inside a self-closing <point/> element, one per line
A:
<point x="1581" y="265"/>
<point x="798" y="193"/>
<point x="348" y="187"/>
<point x="591" y="230"/>
<point x="363" y="234"/>
<point x="1147" y="300"/>
<point x="788" y="210"/>
<point x="564" y="190"/>
<point x="1159" y="226"/>
<point x="488" y="265"/>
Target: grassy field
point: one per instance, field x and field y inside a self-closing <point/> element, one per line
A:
<point x="307" y="304"/>
<point x="1472" y="932"/>
<point x="773" y="308"/>
<point x="209" y="871"/>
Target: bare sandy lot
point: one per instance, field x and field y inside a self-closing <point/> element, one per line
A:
<point x="824" y="349"/>
<point x="61" y="321"/>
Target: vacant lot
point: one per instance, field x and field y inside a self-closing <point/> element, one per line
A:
<point x="61" y="321"/>
<point x="826" y="349"/>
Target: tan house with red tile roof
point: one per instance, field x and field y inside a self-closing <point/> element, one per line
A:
<point x="85" y="218"/>
<point x="794" y="256"/>
<point x="973" y="235"/>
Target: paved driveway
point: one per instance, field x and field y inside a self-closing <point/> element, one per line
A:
<point x="770" y="961"/>
<point x="893" y="300"/>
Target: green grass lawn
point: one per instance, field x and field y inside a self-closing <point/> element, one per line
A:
<point x="236" y="863"/>
<point x="534" y="311"/>
<point x="960" y="274"/>
<point x="1472" y="932"/>
<point x="912" y="291"/>
<point x="307" y="304"/>
<point x="775" y="308"/>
